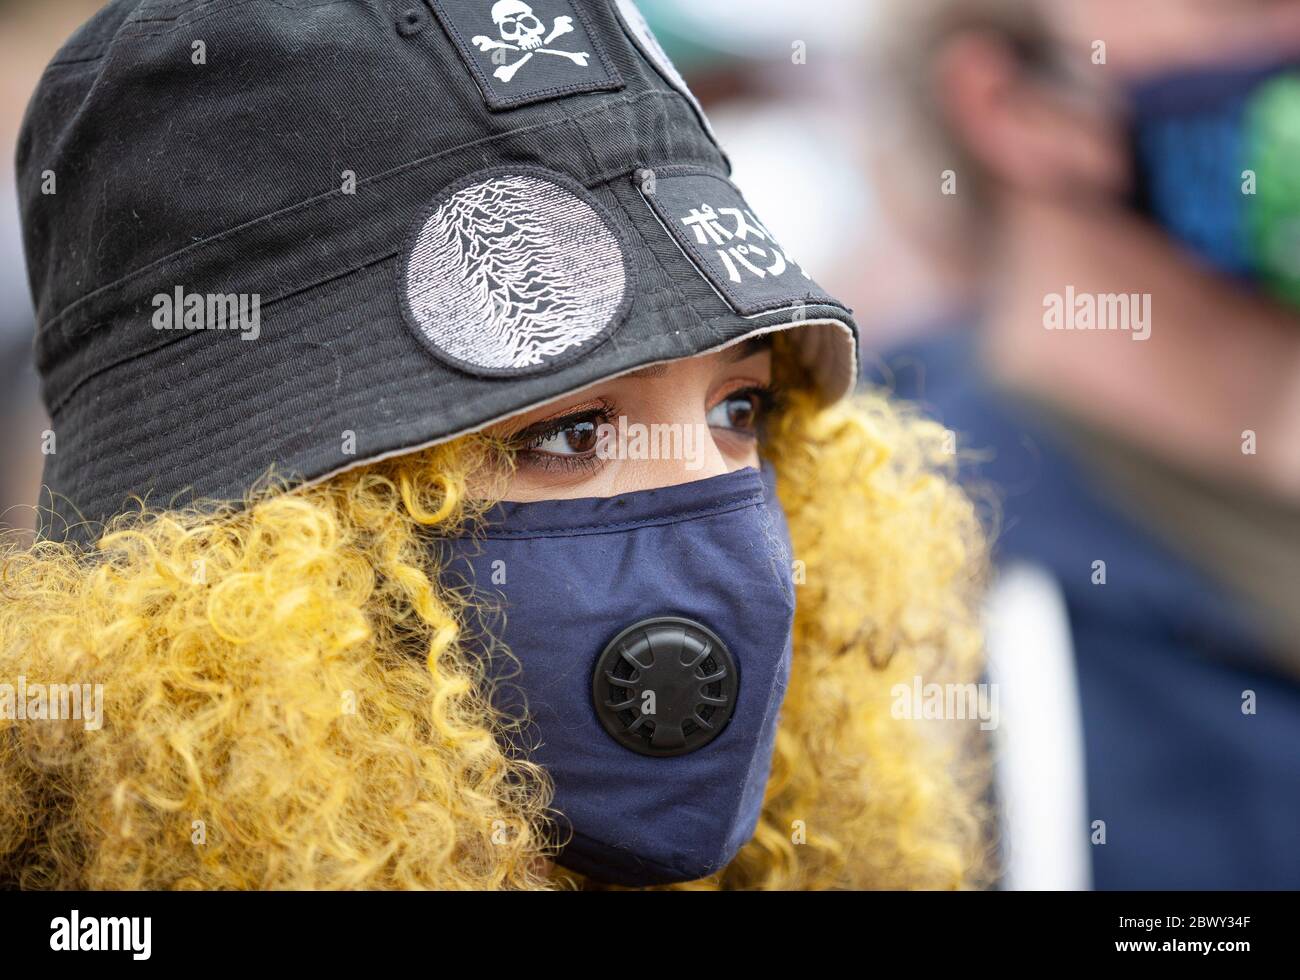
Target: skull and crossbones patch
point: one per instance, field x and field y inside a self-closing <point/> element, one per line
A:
<point x="521" y="52"/>
<point x="521" y="31"/>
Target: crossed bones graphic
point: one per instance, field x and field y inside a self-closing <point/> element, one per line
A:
<point x="562" y="25"/>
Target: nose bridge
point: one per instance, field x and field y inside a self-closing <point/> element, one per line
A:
<point x="699" y="457"/>
<point x="714" y="463"/>
<point x="700" y="461"/>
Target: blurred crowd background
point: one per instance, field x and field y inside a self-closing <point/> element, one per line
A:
<point x="946" y="165"/>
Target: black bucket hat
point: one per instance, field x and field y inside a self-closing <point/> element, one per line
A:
<point x="303" y="235"/>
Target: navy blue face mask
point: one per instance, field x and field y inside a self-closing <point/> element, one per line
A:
<point x="653" y="632"/>
<point x="1218" y="167"/>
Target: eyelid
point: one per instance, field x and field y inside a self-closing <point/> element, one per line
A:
<point x="768" y="394"/>
<point x="734" y="386"/>
<point x="769" y="401"/>
<point x="545" y="428"/>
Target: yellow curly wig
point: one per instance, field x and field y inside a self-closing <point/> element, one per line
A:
<point x="290" y="702"/>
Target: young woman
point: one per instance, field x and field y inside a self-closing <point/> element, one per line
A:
<point x="577" y="565"/>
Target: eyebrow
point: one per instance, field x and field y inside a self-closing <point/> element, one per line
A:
<point x="737" y="352"/>
<point x="653" y="371"/>
<point x="754" y="345"/>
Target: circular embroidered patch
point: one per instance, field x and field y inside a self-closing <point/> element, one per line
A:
<point x="511" y="272"/>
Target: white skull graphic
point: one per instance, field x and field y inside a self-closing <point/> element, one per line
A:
<point x="518" y="24"/>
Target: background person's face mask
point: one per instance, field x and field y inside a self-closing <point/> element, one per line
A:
<point x="1195" y="134"/>
<point x="658" y="735"/>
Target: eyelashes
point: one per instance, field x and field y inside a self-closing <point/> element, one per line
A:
<point x="582" y="423"/>
<point x="526" y="442"/>
<point x="560" y="462"/>
<point x="598" y="412"/>
<point x="770" y="400"/>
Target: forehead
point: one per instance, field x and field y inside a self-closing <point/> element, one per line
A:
<point x="1148" y="37"/>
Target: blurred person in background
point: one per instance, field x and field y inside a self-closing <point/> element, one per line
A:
<point x="1119" y="185"/>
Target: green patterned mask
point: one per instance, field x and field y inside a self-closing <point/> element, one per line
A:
<point x="1218" y="165"/>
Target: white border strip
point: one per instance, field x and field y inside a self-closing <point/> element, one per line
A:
<point x="1040" y="770"/>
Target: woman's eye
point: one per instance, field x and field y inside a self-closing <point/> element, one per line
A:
<point x="741" y="411"/>
<point x="575" y="439"/>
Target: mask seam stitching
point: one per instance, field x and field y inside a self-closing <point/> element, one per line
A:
<point x="751" y="500"/>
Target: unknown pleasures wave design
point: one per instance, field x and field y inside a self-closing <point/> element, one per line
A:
<point x="513" y="272"/>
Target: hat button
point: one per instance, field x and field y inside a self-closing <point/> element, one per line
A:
<point x="412" y="22"/>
